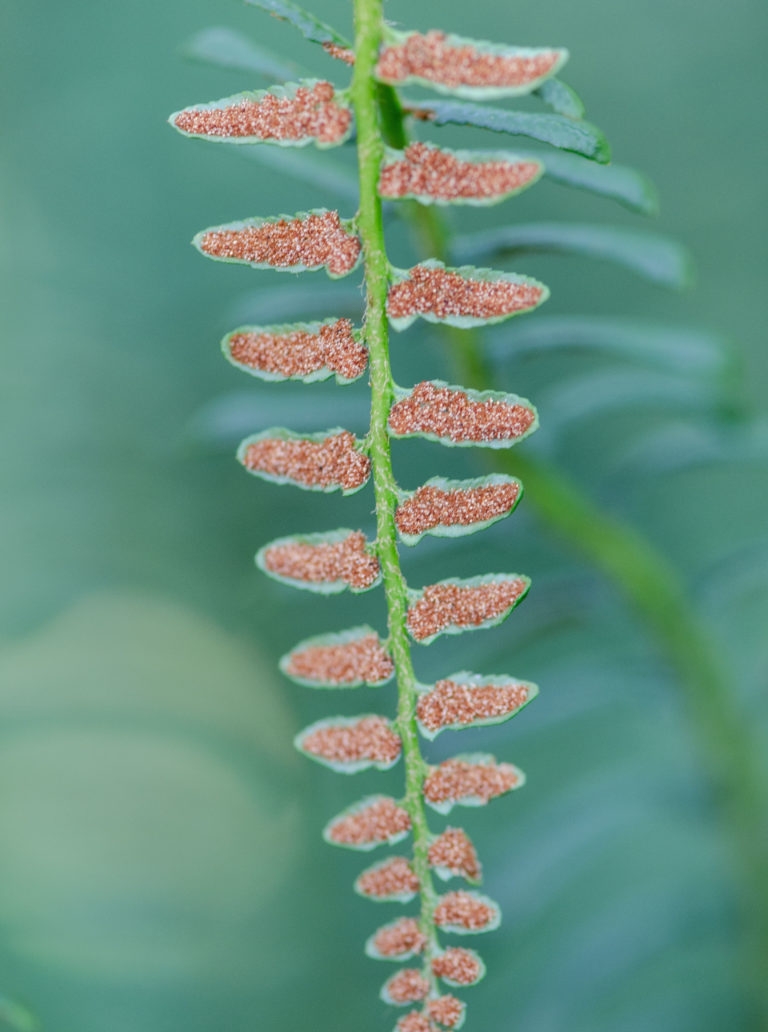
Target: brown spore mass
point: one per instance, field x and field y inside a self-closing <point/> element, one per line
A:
<point x="300" y="353"/>
<point x="455" y="605"/>
<point x="333" y="462"/>
<point x="340" y="53"/>
<point x="450" y="703"/>
<point x="393" y="878"/>
<point x="462" y="909"/>
<point x="460" y="779"/>
<point x="431" y="507"/>
<point x="448" y="412"/>
<point x="407" y="986"/>
<point x="430" y="172"/>
<point x="378" y="822"/>
<point x="370" y="738"/>
<point x="445" y="1010"/>
<point x="311" y="241"/>
<point x="444" y="293"/>
<point x="415" y="1022"/>
<point x="430" y="57"/>
<point x="348" y="663"/>
<point x="453" y="850"/>
<point x="310" y="114"/>
<point x="325" y="563"/>
<point x="457" y="964"/>
<point x="403" y="936"/>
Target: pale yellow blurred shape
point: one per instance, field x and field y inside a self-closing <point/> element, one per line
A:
<point x="145" y="817"/>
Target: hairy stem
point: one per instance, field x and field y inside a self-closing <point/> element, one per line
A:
<point x="729" y="751"/>
<point x="365" y="97"/>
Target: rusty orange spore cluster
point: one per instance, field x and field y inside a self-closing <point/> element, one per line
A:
<point x="311" y="114"/>
<point x="300" y="353"/>
<point x="454" y="780"/>
<point x="455" y="605"/>
<point x="370" y="738"/>
<point x="431" y="506"/>
<point x="463" y="910"/>
<point x="446" y="1011"/>
<point x="311" y="241"/>
<point x="450" y="413"/>
<point x="450" y="703"/>
<point x="407" y="986"/>
<point x="453" y="851"/>
<point x="404" y="936"/>
<point x="415" y="1022"/>
<point x="333" y="462"/>
<point x="347" y="561"/>
<point x="377" y="822"/>
<point x="339" y="52"/>
<point x="444" y="293"/>
<point x="393" y="878"/>
<point x="426" y="171"/>
<point x="428" y="56"/>
<point x="362" y="660"/>
<point x="457" y="965"/>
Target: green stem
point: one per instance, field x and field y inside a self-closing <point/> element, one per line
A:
<point x="365" y="98"/>
<point x="728" y="749"/>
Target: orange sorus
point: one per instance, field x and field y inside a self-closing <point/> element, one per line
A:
<point x="323" y="561"/>
<point x="300" y="351"/>
<point x="415" y="1022"/>
<point x="452" y="62"/>
<point x="309" y="240"/>
<point x="470" y="780"/>
<point x="455" y="416"/>
<point x="439" y="294"/>
<point x="453" y="853"/>
<point x="434" y="174"/>
<point x="307" y="111"/>
<point x="407" y="986"/>
<point x="466" y="911"/>
<point x="319" y="462"/>
<point x="393" y="878"/>
<point x="348" y="659"/>
<point x="458" y="966"/>
<point x="351" y="742"/>
<point x="455" y="606"/>
<point x="446" y="1011"/>
<point x="441" y="504"/>
<point x="457" y="702"/>
<point x="398" y="939"/>
<point x="339" y="52"/>
<point x="374" y="820"/>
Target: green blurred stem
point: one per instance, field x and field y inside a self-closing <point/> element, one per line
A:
<point x="365" y="95"/>
<point x="729" y="752"/>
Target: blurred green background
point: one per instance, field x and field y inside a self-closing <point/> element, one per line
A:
<point x="160" y="858"/>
